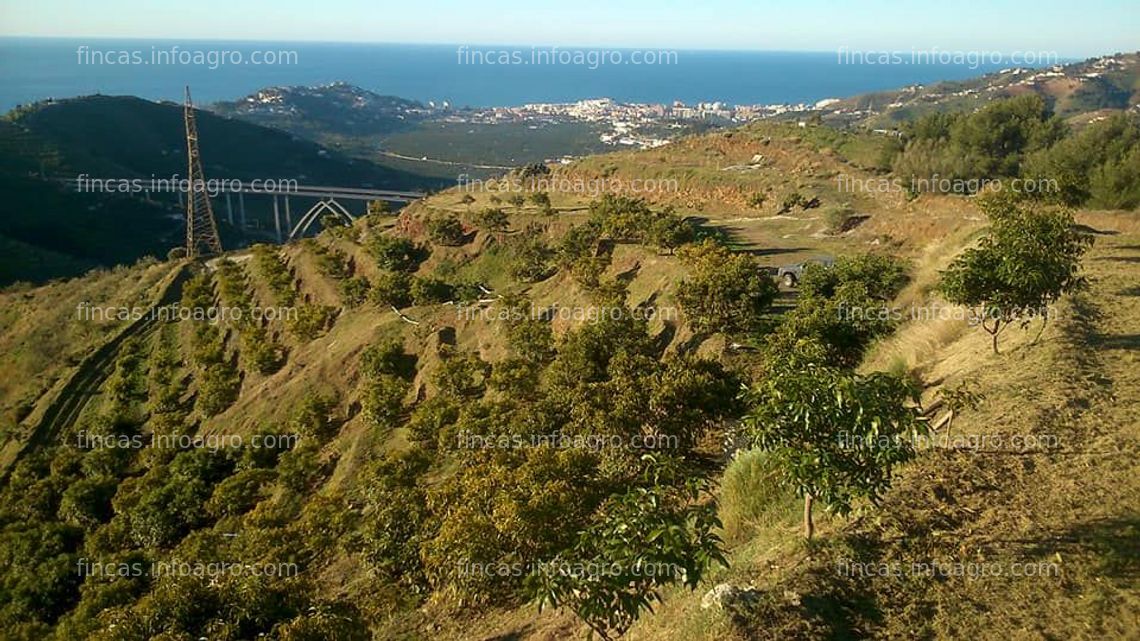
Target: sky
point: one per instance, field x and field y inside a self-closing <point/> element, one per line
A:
<point x="1070" y="28"/>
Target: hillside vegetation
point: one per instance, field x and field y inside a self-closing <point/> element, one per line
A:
<point x="557" y="405"/>
<point x="58" y="222"/>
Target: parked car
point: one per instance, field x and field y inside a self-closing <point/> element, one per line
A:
<point x="790" y="275"/>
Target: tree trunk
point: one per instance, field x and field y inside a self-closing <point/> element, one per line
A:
<point x="997" y="326"/>
<point x="809" y="527"/>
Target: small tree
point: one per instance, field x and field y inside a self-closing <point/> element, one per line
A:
<point x="395" y="253"/>
<point x="1029" y="258"/>
<point x="392" y="289"/>
<point x="836" y="435"/>
<point x="670" y="231"/>
<point x="960" y="398"/>
<point x="492" y="219"/>
<point x="445" y="230"/>
<point x="466" y="200"/>
<point x="644" y="540"/>
<point x="541" y="199"/>
<point x="727" y="292"/>
<point x="518" y="200"/>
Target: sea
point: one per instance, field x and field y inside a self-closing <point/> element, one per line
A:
<point x="34" y="69"/>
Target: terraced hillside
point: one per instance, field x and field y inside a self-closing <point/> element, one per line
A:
<point x="336" y="429"/>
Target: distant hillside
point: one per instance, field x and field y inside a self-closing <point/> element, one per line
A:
<point x="45" y="148"/>
<point x="338" y="108"/>
<point x="133" y="137"/>
<point x="1073" y="90"/>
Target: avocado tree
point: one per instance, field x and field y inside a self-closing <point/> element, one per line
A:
<point x="643" y="540"/>
<point x="836" y="435"/>
<point x="726" y="292"/>
<point x="1029" y="258"/>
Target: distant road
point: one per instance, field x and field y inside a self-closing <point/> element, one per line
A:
<point x="453" y="163"/>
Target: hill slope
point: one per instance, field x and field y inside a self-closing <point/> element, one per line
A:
<point x="45" y="149"/>
<point x="383" y="513"/>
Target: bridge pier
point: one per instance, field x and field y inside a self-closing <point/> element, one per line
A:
<point x="277" y="219"/>
<point x="229" y="209"/>
<point x="288" y="215"/>
<point x="241" y="207"/>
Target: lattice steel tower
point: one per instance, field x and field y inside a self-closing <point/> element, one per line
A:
<point x="201" y="230"/>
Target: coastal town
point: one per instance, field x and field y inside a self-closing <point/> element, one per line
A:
<point x="628" y="121"/>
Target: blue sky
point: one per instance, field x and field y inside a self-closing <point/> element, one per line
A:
<point x="1071" y="28"/>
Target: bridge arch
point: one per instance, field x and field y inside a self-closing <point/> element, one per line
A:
<point x="324" y="205"/>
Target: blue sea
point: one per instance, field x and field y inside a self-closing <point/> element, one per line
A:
<point x="35" y="68"/>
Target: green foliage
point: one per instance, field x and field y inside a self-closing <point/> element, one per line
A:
<point x="170" y="500"/>
<point x="354" y="291"/>
<point x="218" y="388"/>
<point x="1098" y="165"/>
<point x="460" y="374"/>
<point x="336" y="622"/>
<point x="311" y="320"/>
<point x="725" y="292"/>
<point x="392" y="289"/>
<point x="87" y="502"/>
<point x="445" y="230"/>
<point x="383" y="399"/>
<point x="330" y="261"/>
<point x="641" y="542"/>
<point x="1030" y="257"/>
<point x="670" y="232"/>
<point x="791" y="201"/>
<point x="836" y="435"/>
<point x="300" y="469"/>
<point x="530" y="338"/>
<point x="394" y="516"/>
<point x="881" y="276"/>
<point x="500" y="511"/>
<point x="387" y="357"/>
<point x="431" y="419"/>
<point x="38" y="581"/>
<point x="262" y="350"/>
<point x="842" y="308"/>
<point x="315" y="417"/>
<point x="492" y="220"/>
<point x="531" y="257"/>
<point x="240" y="493"/>
<point x="518" y="200"/>
<point x="989" y="144"/>
<point x="427" y="290"/>
<point x="541" y="199"/>
<point x="395" y="253"/>
<point x="273" y="271"/>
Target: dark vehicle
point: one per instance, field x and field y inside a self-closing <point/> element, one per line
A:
<point x="789" y="275"/>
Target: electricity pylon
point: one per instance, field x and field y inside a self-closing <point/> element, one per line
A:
<point x="201" y="230"/>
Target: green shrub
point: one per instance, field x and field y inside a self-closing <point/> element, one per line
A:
<point x="426" y="290"/>
<point x="726" y="292"/>
<point x="445" y="230"/>
<point x="392" y="289"/>
<point x="394" y="253"/>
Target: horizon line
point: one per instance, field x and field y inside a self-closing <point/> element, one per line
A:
<point x="831" y="51"/>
